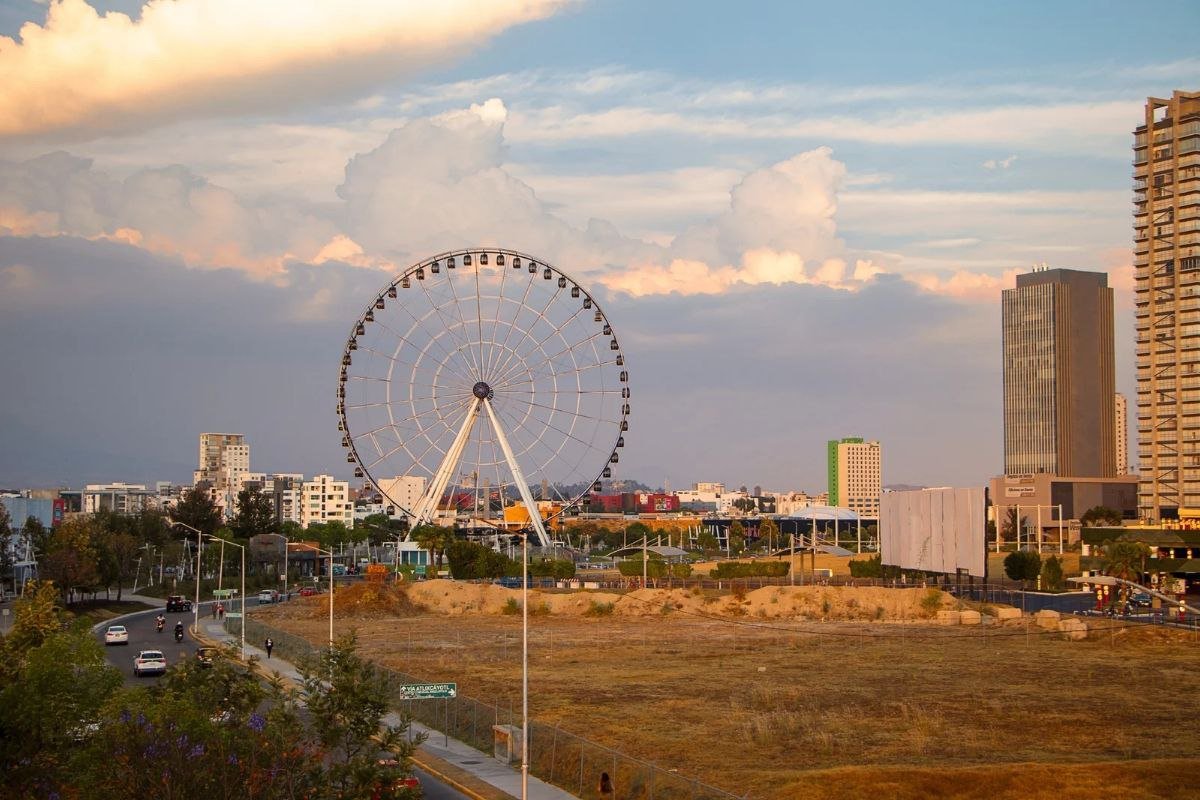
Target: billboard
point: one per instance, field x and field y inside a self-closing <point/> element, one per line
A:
<point x="936" y="530"/>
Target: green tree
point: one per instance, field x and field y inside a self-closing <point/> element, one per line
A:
<point x="7" y="558"/>
<point x="1097" y="516"/>
<point x="737" y="537"/>
<point x="434" y="538"/>
<point x="1052" y="575"/>
<point x="196" y="509"/>
<point x="768" y="534"/>
<point x="255" y="514"/>
<point x="38" y="536"/>
<point x="1022" y="565"/>
<point x="347" y="698"/>
<point x="708" y="542"/>
<point x="1012" y="525"/>
<point x="1127" y="561"/>
<point x="117" y="553"/>
<point x="745" y="504"/>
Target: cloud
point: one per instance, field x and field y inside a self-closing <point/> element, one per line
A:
<point x="1003" y="163"/>
<point x="83" y="73"/>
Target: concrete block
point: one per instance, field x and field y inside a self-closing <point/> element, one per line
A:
<point x="1073" y="628"/>
<point x="969" y="617"/>
<point x="1047" y="619"/>
<point x="946" y="617"/>
<point x="1007" y="612"/>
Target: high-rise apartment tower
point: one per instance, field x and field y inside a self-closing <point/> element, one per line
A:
<point x="1059" y="375"/>
<point x="1166" y="237"/>
<point x="1122" y="433"/>
<point x="854" y="475"/>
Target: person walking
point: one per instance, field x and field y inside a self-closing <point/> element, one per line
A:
<point x="605" y="788"/>
<point x="269" y="644"/>
<point x="220" y="611"/>
<point x="213" y="608"/>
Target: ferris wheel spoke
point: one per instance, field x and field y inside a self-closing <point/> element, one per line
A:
<point x="541" y="315"/>
<point x="493" y="350"/>
<point x="536" y="437"/>
<point x="524" y="304"/>
<point x="446" y="354"/>
<point x="548" y="359"/>
<point x="540" y="345"/>
<point x="465" y="342"/>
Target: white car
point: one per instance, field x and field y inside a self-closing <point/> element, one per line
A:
<point x="149" y="662"/>
<point x="268" y="596"/>
<point x="116" y="634"/>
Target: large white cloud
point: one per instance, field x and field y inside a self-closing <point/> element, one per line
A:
<point x="85" y="73"/>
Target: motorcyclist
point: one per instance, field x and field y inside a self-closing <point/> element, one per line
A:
<point x="179" y="631"/>
<point x="160" y="622"/>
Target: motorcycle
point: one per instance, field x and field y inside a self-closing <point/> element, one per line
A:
<point x="160" y="625"/>
<point x="179" y="633"/>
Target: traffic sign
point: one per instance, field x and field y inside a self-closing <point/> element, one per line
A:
<point x="426" y="691"/>
<point x="232" y="615"/>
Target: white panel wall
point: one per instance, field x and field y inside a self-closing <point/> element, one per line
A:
<point x="936" y="530"/>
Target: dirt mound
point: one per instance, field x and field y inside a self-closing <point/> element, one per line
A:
<point x="772" y="602"/>
<point x="1141" y="635"/>
<point x="363" y="600"/>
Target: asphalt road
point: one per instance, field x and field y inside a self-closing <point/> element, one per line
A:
<point x="143" y="635"/>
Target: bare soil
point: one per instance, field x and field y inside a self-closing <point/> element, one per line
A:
<point x="808" y="692"/>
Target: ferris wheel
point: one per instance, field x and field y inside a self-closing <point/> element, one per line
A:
<point x="478" y="378"/>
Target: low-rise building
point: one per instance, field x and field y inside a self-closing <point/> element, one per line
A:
<point x="326" y="499"/>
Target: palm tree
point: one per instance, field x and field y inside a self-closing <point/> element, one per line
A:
<point x="435" y="539"/>
<point x="1012" y="525"/>
<point x="1125" y="560"/>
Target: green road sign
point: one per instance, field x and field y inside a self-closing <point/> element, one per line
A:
<point x="419" y="570"/>
<point x="232" y="615"/>
<point x="224" y="594"/>
<point x="426" y="691"/>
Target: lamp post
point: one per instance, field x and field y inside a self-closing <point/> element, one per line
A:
<point x="199" y="545"/>
<point x="525" y="665"/>
<point x="330" y="554"/>
<point x="243" y="590"/>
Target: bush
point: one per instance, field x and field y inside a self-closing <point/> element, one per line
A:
<point x="681" y="570"/>
<point x="867" y="568"/>
<point x="931" y="602"/>
<point x="511" y="606"/>
<point x="633" y="568"/>
<point x="1052" y="575"/>
<point x="471" y="560"/>
<point x="599" y="610"/>
<point x="562" y="569"/>
<point x="751" y="569"/>
<point x="1022" y="565"/>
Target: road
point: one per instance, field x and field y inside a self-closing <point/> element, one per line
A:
<point x="144" y="636"/>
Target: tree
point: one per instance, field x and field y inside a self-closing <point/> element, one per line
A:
<point x="1012" y="525"/>
<point x="38" y="536"/>
<point x="745" y="504"/>
<point x="1124" y="560"/>
<point x="737" y="537"/>
<point x="72" y="558"/>
<point x="768" y="532"/>
<point x="1052" y="575"/>
<point x="196" y="509"/>
<point x="708" y="542"/>
<point x="255" y="514"/>
<point x="434" y="538"/>
<point x="7" y="558"/>
<point x="347" y="698"/>
<point x="1022" y="565"/>
<point x="1097" y="516"/>
<point x="117" y="558"/>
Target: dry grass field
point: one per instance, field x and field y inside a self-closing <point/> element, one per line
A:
<point x="782" y="707"/>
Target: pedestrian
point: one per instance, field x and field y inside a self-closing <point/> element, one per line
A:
<point x="605" y="787"/>
<point x="220" y="611"/>
<point x="213" y="607"/>
<point x="269" y="644"/>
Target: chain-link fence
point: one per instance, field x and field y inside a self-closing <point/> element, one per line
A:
<point x="555" y="756"/>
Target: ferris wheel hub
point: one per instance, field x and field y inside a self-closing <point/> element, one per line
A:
<point x="482" y="391"/>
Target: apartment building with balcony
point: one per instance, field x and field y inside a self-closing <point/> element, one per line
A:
<point x="1166" y="236"/>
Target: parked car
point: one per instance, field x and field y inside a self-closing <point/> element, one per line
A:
<point x="1141" y="600"/>
<point x="396" y="785"/>
<point x="116" y="634"/>
<point x="177" y="602"/>
<point x="205" y="656"/>
<point x="149" y="662"/>
<point x="268" y="596"/>
<point x="307" y="591"/>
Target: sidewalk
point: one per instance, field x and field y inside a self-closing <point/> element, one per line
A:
<point x="457" y="754"/>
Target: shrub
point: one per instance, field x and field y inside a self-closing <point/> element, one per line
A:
<point x="1022" y="565"/>
<point x="931" y="602"/>
<point x="1052" y="575"/>
<point x="561" y="569"/>
<point x="599" y="610"/>
<point x="751" y="569"/>
<point x="879" y="612"/>
<point x="739" y="592"/>
<point x="867" y="567"/>
<point x="511" y="606"/>
<point x="633" y="568"/>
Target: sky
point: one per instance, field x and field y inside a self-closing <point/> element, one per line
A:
<point x="798" y="216"/>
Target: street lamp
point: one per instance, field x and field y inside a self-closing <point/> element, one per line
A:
<point x="330" y="554"/>
<point x="243" y="595"/>
<point x="195" y="607"/>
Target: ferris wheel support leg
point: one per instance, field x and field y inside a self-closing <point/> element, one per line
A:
<point x="428" y="504"/>
<point x="535" y="516"/>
